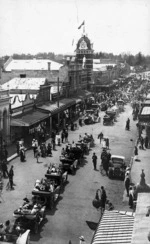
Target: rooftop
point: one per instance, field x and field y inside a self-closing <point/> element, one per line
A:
<point x="31" y="64"/>
<point x="24" y="83"/>
<point x="141" y="222"/>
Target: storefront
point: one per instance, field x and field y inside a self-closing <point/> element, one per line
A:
<point x="34" y="124"/>
<point x="144" y="121"/>
<point x="60" y="112"/>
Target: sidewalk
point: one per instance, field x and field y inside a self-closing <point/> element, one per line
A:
<point x="143" y="163"/>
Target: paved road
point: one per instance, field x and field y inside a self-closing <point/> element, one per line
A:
<point x="74" y="214"/>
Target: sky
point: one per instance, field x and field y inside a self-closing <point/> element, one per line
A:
<point x="113" y="26"/>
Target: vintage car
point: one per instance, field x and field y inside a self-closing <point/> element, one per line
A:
<point x="108" y="120"/>
<point x="120" y="104"/>
<point x="69" y="164"/>
<point x="103" y="106"/>
<point x="29" y="216"/>
<point x="117" y="167"/>
<point x="57" y="174"/>
<point x="111" y="113"/>
<point x="46" y="192"/>
<point x="13" y="238"/>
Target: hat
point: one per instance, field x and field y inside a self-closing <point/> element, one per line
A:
<point x="35" y="206"/>
<point x="37" y="181"/>
<point x="82" y="238"/>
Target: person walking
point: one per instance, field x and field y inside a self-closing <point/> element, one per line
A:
<point x="100" y="137"/>
<point x="66" y="135"/>
<point x="107" y="143"/>
<point x="53" y="143"/>
<point x="37" y="154"/>
<point x="22" y="154"/>
<point x="34" y="146"/>
<point x="94" y="159"/>
<point x="127" y="183"/>
<point x="135" y="153"/>
<point x="142" y="142"/>
<point x="103" y="199"/>
<point x="146" y="142"/>
<point x="11" y="176"/>
<point x="62" y="136"/>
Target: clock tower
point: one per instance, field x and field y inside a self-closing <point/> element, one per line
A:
<point x="84" y="55"/>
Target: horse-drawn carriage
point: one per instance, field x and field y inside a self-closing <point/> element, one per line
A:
<point x="29" y="216"/>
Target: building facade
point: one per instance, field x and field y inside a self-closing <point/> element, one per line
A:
<point x="84" y="55"/>
<point x="5" y="115"/>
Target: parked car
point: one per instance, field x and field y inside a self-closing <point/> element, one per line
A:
<point x="117" y="167"/>
<point x="108" y="120"/>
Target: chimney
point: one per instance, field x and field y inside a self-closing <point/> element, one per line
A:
<point x="49" y="66"/>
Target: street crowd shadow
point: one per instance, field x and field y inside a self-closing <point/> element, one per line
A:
<point x="36" y="237"/>
<point x="92" y="225"/>
<point x="54" y="209"/>
<point x="83" y="163"/>
<point x="63" y="187"/>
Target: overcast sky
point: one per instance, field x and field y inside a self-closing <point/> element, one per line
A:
<point x="32" y="26"/>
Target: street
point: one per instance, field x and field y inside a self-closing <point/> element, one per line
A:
<point x="74" y="214"/>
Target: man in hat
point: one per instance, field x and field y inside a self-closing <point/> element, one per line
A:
<point x="127" y="183"/>
<point x="103" y="199"/>
<point x="11" y="175"/>
<point x="94" y="160"/>
<point x="100" y="136"/>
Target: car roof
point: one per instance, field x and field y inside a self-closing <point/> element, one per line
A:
<point x="117" y="156"/>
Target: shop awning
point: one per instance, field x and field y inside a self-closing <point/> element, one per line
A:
<point x="115" y="227"/>
<point x="53" y="108"/>
<point x="29" y="119"/>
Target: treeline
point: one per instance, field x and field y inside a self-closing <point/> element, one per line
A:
<point x="133" y="60"/>
<point x="49" y="55"/>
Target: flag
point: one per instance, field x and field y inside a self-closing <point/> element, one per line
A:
<point x="72" y="42"/>
<point x="83" y="23"/>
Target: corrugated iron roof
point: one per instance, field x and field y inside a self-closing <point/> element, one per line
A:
<point x="24" y="83"/>
<point x="32" y="64"/>
<point x="115" y="227"/>
<point x="63" y="104"/>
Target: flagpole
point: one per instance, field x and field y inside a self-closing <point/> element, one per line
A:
<point x="84" y="28"/>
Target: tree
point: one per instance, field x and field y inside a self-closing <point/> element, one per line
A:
<point x="139" y="59"/>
